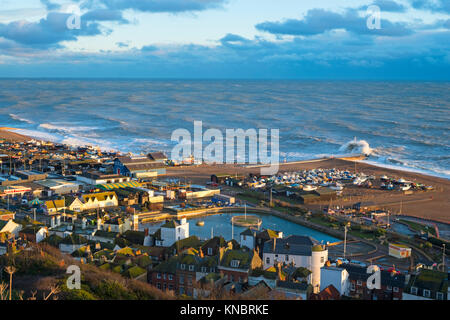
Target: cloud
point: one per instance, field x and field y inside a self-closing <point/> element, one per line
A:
<point x="163" y="5"/>
<point x="104" y="15"/>
<point x="50" y="5"/>
<point x="432" y="5"/>
<point x="48" y="31"/>
<point x="387" y="6"/>
<point x="319" y="21"/>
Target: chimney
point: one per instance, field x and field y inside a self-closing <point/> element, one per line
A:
<point x="146" y="232"/>
<point x="274" y="244"/>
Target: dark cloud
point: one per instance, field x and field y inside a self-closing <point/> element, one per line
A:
<point x="163" y="5"/>
<point x="318" y="21"/>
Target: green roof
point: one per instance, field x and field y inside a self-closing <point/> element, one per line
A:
<point x="244" y="258"/>
<point x="134" y="272"/>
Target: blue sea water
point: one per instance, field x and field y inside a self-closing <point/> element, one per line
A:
<point x="402" y="124"/>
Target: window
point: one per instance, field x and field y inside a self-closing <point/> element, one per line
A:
<point x="267" y="260"/>
<point x="389" y="287"/>
<point x="170" y="277"/>
<point x="353" y="286"/>
<point x="164" y="287"/>
<point x="183" y="266"/>
<point x="181" y="279"/>
<point x="413" y="290"/>
<point x="439" y="296"/>
<point x="210" y="251"/>
<point x="211" y="269"/>
<point x="164" y="276"/>
<point x="191" y="267"/>
<point x="170" y="287"/>
<point x="158" y="285"/>
<point x="287" y="257"/>
<point x="359" y="283"/>
<point x="235" y="263"/>
<point x="426" y="293"/>
<point x="190" y="280"/>
<point x="204" y="269"/>
<point x="395" y="289"/>
<point x="181" y="290"/>
<point x="322" y="259"/>
<point x="158" y="276"/>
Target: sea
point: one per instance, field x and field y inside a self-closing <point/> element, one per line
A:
<point x="404" y="125"/>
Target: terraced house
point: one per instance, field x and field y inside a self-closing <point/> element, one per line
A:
<point x="236" y="265"/>
<point x="428" y="285"/>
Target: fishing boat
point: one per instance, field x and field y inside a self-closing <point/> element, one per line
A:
<point x="309" y="187"/>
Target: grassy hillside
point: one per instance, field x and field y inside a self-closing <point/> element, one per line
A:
<point x="43" y="267"/>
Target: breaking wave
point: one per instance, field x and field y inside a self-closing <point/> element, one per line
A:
<point x="357" y="146"/>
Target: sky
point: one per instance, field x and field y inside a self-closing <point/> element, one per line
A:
<point x="231" y="39"/>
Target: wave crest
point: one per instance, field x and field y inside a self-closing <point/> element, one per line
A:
<point x="357" y="146"/>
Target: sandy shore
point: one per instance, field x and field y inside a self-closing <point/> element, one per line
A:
<point x="433" y="205"/>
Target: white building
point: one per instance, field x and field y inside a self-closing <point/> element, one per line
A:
<point x="173" y="231"/>
<point x="99" y="200"/>
<point x="95" y="178"/>
<point x="248" y="239"/>
<point x="338" y="277"/>
<point x="10" y="226"/>
<point x="300" y="251"/>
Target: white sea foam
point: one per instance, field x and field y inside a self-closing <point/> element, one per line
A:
<point x="357" y="147"/>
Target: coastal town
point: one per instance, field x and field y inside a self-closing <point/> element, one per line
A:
<point x="301" y="234"/>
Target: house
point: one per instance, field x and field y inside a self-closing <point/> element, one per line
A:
<point x="6" y="215"/>
<point x="336" y="277"/>
<point x="212" y="246"/>
<point x="157" y="157"/>
<point x="172" y="231"/>
<point x="329" y="293"/>
<point x="52" y="207"/>
<point x="163" y="276"/>
<point x="392" y="284"/>
<point x="34" y="233"/>
<point x="248" y="238"/>
<point x="294" y="290"/>
<point x="99" y="200"/>
<point x="428" y="285"/>
<point x="266" y="235"/>
<point x="72" y="243"/>
<point x="138" y="167"/>
<point x="73" y="203"/>
<point x="236" y="265"/>
<point x="10" y="227"/>
<point x="300" y="251"/>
